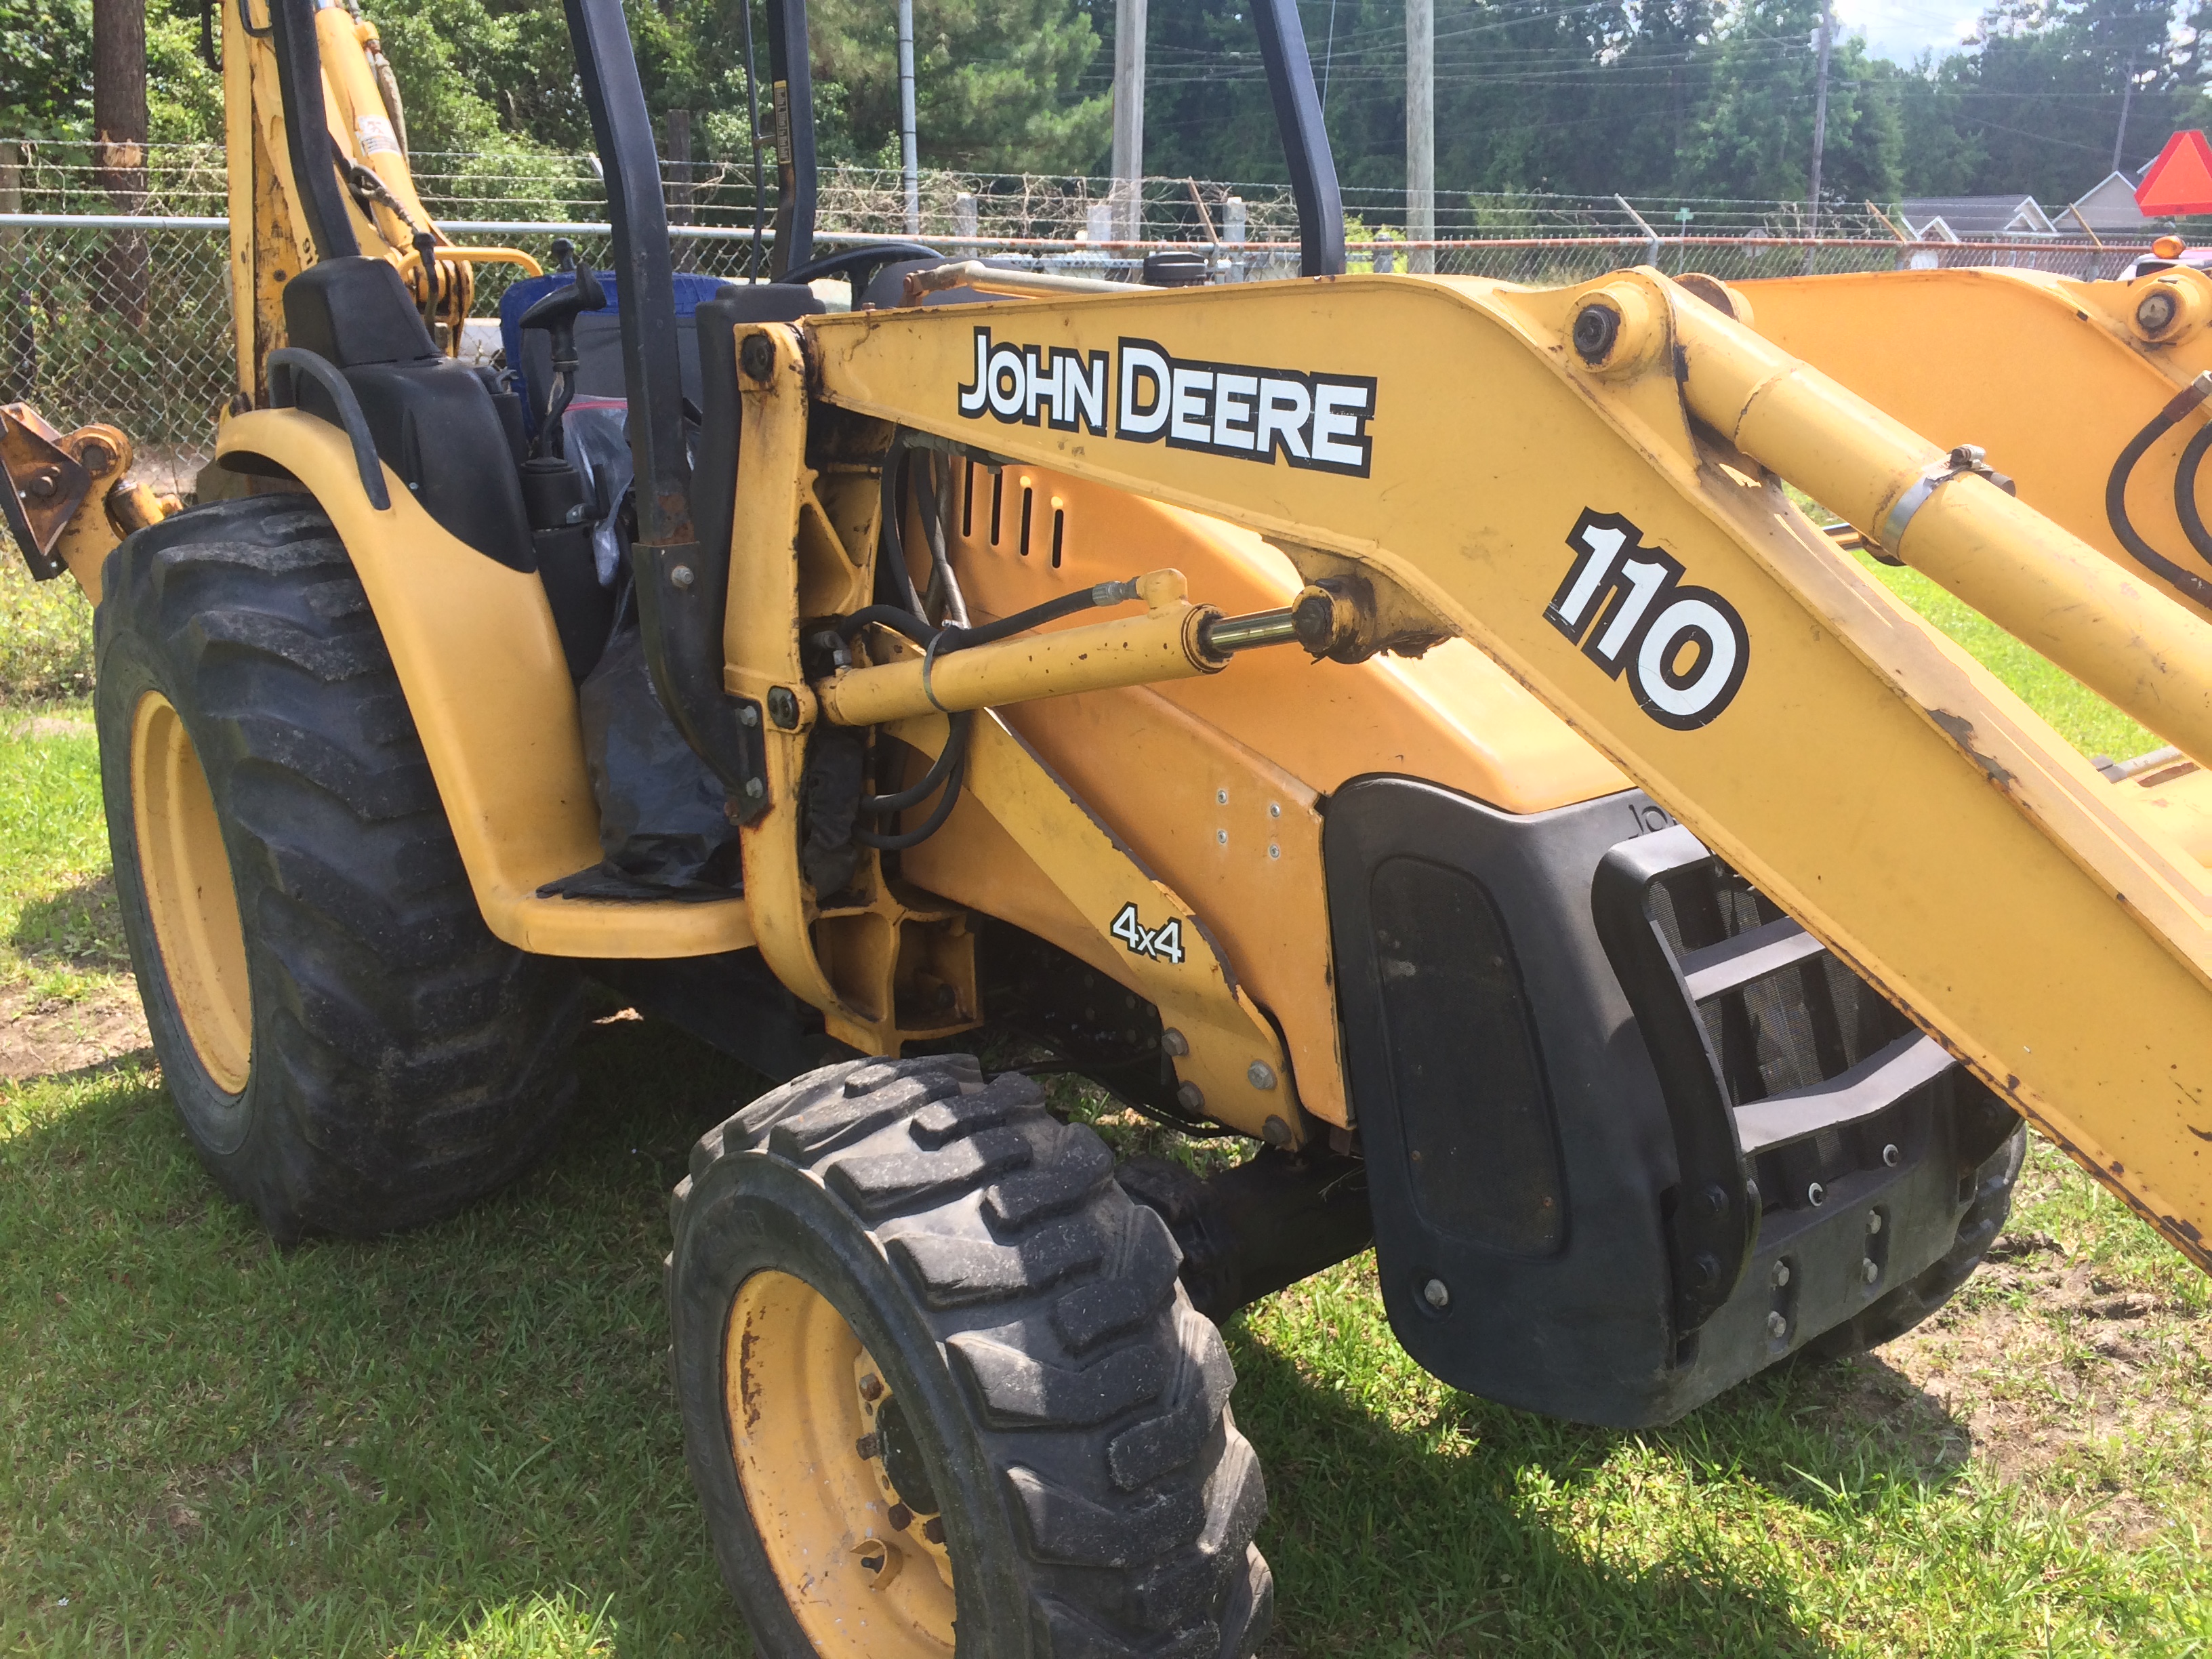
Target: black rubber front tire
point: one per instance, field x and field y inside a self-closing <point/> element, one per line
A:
<point x="1889" y="1317"/>
<point x="403" y="1061"/>
<point x="1070" y="1407"/>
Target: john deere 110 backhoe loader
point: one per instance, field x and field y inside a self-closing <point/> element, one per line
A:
<point x="1402" y="720"/>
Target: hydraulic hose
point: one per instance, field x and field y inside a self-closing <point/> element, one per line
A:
<point x="2184" y="494"/>
<point x="2116" y="492"/>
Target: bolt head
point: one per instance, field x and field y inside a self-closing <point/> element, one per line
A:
<point x="42" y="484"/>
<point x="1275" y="1132"/>
<point x="1891" y="1155"/>
<point x="1780" y="1276"/>
<point x="754" y="789"/>
<point x="1777" y="1326"/>
<point x="871" y="1387"/>
<point x="1260" y="1074"/>
<point x="783" y="707"/>
<point x="96" y="456"/>
<point x="1873" y="1222"/>
<point x="1173" y="1042"/>
<point x="1870" y="1270"/>
<point x="757" y="357"/>
<point x="1436" y="1294"/>
<point x="682" y="576"/>
<point x="1596" y="327"/>
<point x="1191" y="1098"/>
<point x="1816" y="1195"/>
<point x="2155" y="314"/>
<point x="748" y="716"/>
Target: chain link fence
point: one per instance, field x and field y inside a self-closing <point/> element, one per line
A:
<point x="115" y="292"/>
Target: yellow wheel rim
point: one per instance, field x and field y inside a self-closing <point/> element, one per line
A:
<point x="821" y="1444"/>
<point x="186" y="875"/>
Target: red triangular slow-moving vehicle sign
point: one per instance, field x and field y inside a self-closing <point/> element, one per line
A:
<point x="2180" y="180"/>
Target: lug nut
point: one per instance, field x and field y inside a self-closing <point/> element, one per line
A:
<point x="1777" y="1326"/>
<point x="1436" y="1294"/>
<point x="1780" y="1276"/>
<point x="1870" y="1270"/>
<point x="1873" y="1222"/>
<point x="1596" y="327"/>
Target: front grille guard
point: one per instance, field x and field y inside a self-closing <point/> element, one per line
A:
<point x="1781" y="1069"/>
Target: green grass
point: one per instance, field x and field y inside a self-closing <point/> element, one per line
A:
<point x="2075" y="712"/>
<point x="463" y="1441"/>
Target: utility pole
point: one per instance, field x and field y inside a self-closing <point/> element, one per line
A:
<point x="1421" y="131"/>
<point x="908" y="156"/>
<point x="1129" y="119"/>
<point x="1820" y="120"/>
<point x="2127" y="96"/>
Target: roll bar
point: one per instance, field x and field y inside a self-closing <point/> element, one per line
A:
<point x="1290" y="83"/>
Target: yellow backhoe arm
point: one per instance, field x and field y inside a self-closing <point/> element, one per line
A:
<point x="1586" y="484"/>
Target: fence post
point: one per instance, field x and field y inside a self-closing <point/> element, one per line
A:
<point x="1233" y="232"/>
<point x="22" y="363"/>
<point x="964" y="216"/>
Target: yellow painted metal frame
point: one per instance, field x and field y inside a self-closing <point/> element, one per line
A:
<point x="1894" y="797"/>
<point x="804" y="548"/>
<point x="2052" y="376"/>
<point x="477" y="656"/>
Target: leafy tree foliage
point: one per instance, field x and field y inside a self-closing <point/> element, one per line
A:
<point x="1650" y="97"/>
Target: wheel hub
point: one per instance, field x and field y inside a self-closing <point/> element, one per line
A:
<point x="838" y="1492"/>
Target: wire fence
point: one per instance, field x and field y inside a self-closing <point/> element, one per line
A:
<point x="115" y="291"/>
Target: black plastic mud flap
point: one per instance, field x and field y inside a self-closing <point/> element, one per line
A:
<point x="1631" y="1133"/>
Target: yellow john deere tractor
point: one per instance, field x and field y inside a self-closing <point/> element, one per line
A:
<point x="1402" y="720"/>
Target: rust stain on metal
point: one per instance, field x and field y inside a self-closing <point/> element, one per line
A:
<point x="1960" y="730"/>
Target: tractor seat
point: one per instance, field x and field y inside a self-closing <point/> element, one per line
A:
<point x="434" y="421"/>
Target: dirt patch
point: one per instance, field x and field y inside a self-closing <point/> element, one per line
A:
<point x="2061" y="1383"/>
<point x="39" y="1038"/>
<point x="56" y="726"/>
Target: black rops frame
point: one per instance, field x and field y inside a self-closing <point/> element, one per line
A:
<point x="1290" y="83"/>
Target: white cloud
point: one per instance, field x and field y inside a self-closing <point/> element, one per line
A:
<point x="1900" y="30"/>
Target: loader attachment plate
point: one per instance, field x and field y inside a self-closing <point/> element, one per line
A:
<point x="42" y="485"/>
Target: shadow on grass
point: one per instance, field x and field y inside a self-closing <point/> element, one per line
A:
<point x="211" y="1446"/>
<point x="464" y="1439"/>
<point x="81" y="926"/>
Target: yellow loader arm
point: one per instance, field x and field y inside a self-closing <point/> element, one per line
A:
<point x="2086" y="393"/>
<point x="1586" y="483"/>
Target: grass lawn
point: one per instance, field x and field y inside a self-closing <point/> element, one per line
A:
<point x="463" y="1441"/>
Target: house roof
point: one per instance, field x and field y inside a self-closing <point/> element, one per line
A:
<point x="2110" y="203"/>
<point x="1978" y="218"/>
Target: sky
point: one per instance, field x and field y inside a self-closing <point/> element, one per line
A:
<point x="1900" y="30"/>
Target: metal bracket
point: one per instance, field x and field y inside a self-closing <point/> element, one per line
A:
<point x="1965" y="458"/>
<point x="42" y="485"/>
